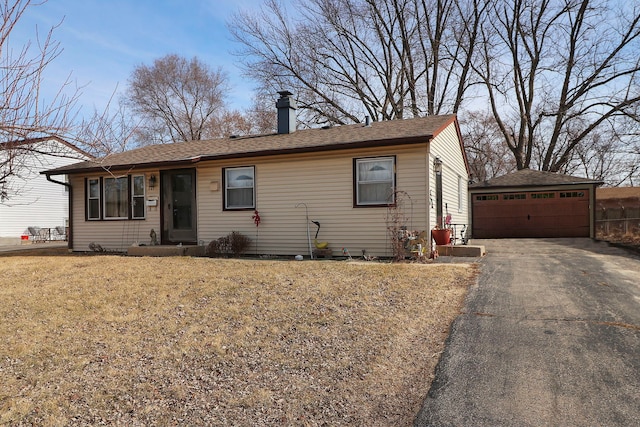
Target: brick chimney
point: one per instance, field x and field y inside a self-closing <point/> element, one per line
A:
<point x="286" y="112"/>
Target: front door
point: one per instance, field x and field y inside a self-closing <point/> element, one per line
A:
<point x="179" y="206"/>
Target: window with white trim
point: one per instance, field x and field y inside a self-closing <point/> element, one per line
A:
<point x="110" y="198"/>
<point x="93" y="198"/>
<point x="239" y="188"/>
<point x="374" y="181"/>
<point x="116" y="198"/>
<point x="137" y="197"/>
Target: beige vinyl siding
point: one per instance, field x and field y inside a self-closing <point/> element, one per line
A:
<point x="322" y="181"/>
<point x="115" y="235"/>
<point x="446" y="145"/>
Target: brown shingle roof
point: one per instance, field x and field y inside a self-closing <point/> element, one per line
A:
<point x="393" y="132"/>
<point x="531" y="178"/>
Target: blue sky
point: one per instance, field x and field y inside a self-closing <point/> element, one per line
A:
<point x="103" y="40"/>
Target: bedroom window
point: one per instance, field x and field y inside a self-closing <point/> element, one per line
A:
<point x="137" y="197"/>
<point x="116" y="198"/>
<point x="374" y="181"/>
<point x="93" y="198"/>
<point x="239" y="188"/>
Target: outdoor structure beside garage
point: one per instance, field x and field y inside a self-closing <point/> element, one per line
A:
<point x="618" y="210"/>
<point x="530" y="203"/>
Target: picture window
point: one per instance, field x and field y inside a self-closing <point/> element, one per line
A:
<point x="116" y="198"/>
<point x="112" y="198"/>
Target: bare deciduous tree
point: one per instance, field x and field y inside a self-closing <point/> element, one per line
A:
<point x="349" y="58"/>
<point x="559" y="72"/>
<point x="108" y="131"/>
<point x="24" y="115"/>
<point x="262" y="113"/>
<point x="603" y="157"/>
<point x="554" y="72"/>
<point x="488" y="157"/>
<point x="177" y="99"/>
<point x="230" y="123"/>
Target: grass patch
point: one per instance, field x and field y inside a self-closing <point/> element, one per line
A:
<point x="196" y="341"/>
<point x="630" y="239"/>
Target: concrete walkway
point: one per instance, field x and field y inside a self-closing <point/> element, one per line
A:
<point x="550" y="336"/>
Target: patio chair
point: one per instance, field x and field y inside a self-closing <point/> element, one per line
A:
<point x="59" y="233"/>
<point x="44" y="234"/>
<point x="34" y="234"/>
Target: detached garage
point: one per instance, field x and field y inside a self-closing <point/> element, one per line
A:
<point x="530" y="203"/>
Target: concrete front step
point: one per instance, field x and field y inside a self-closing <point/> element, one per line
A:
<point x="163" y="250"/>
<point x="461" y="250"/>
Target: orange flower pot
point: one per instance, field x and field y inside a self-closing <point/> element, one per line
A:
<point x="441" y="236"/>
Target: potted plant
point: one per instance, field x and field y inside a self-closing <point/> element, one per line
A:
<point x="442" y="236"/>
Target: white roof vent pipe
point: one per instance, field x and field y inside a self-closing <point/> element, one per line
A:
<point x="286" y="112"/>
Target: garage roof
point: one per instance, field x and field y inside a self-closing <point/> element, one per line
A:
<point x="531" y="178"/>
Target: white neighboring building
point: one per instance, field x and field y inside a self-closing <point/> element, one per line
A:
<point x="32" y="200"/>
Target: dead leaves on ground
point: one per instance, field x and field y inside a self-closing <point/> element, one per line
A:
<point x="147" y="341"/>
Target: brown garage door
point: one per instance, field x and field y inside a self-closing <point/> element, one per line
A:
<point x="531" y="214"/>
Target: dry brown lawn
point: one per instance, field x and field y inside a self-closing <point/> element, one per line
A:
<point x="111" y="340"/>
<point x="630" y="239"/>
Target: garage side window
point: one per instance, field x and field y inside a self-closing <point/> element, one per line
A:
<point x="239" y="188"/>
<point x="571" y="194"/>
<point x="543" y="195"/>
<point x="374" y="181"/>
<point x="93" y="198"/>
<point x="515" y="196"/>
<point x="482" y="197"/>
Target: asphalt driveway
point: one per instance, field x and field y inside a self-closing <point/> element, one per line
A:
<point x="550" y="336"/>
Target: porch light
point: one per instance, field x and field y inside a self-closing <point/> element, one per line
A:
<point x="437" y="165"/>
<point x="152" y="181"/>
